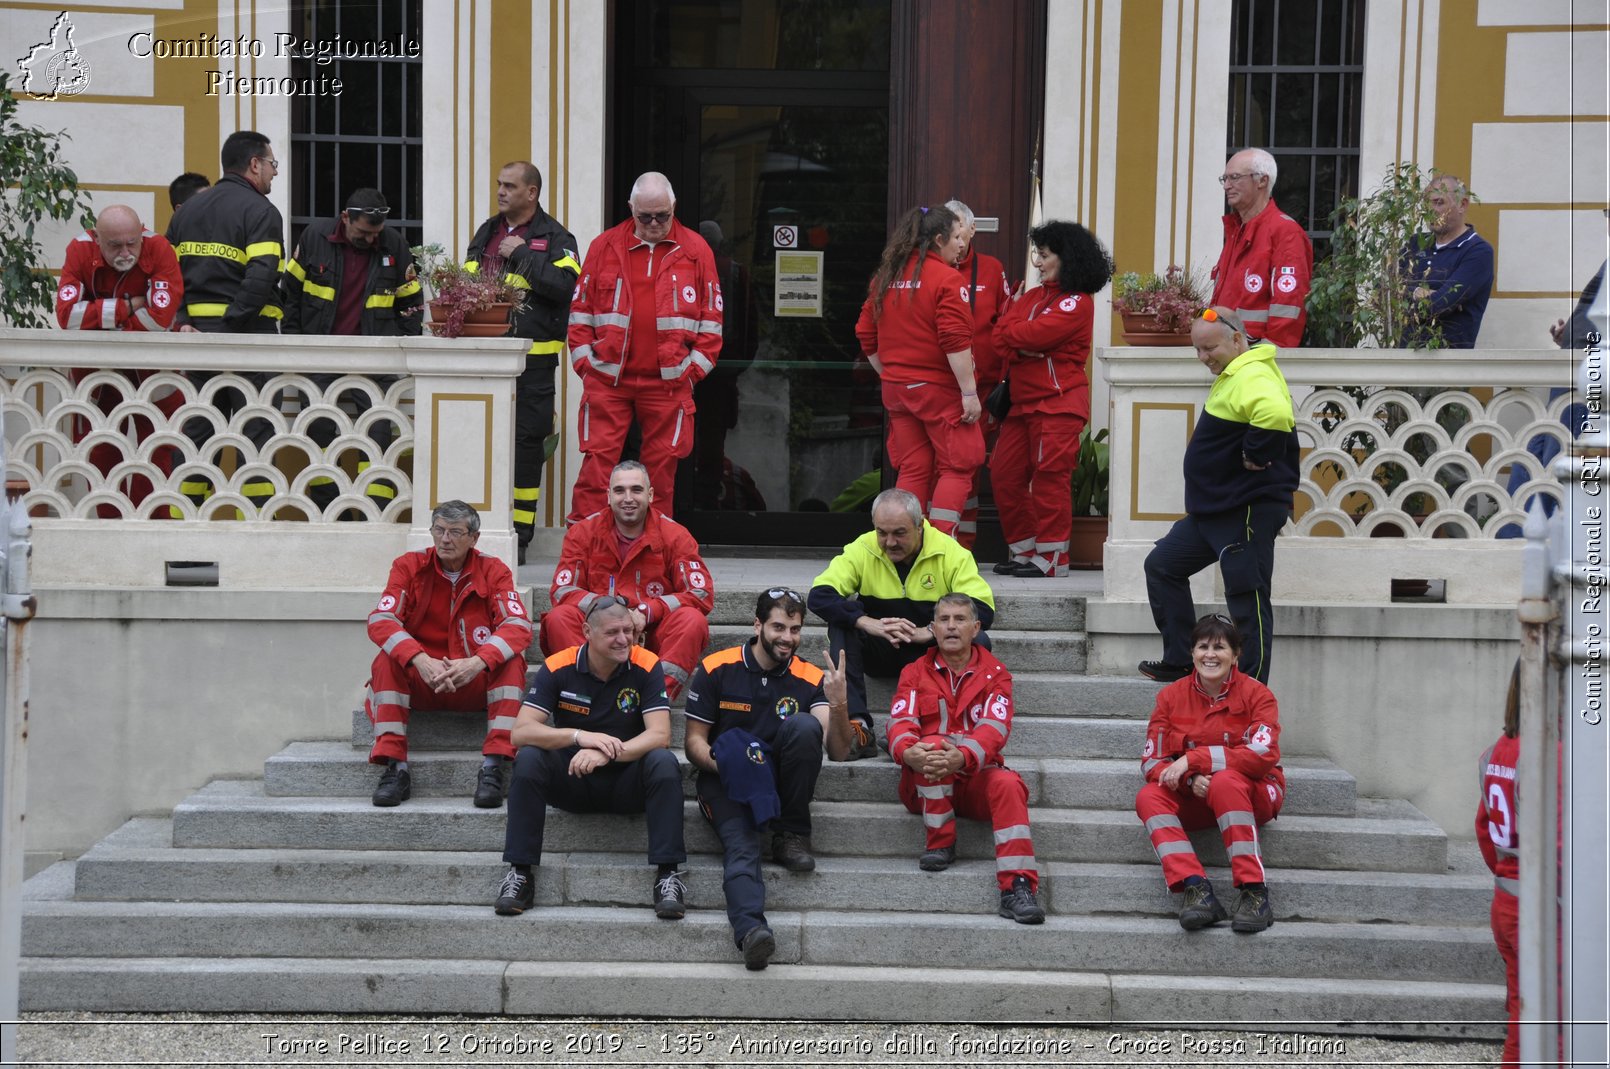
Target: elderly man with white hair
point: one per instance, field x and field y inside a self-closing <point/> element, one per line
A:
<point x="645" y="327"/>
<point x="1264" y="270"/>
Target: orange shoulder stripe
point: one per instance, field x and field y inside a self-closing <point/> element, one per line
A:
<point x="805" y="670"/>
<point x="730" y="655"/>
<point x="562" y="659"/>
<point x="643" y="658"/>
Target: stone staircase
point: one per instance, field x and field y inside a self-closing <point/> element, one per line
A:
<point x="292" y="894"/>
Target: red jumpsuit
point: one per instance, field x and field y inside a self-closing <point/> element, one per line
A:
<point x="685" y="318"/>
<point x="935" y="455"/>
<point x="1263" y="274"/>
<point x="1046" y="336"/>
<point x="421" y="611"/>
<point x="1233" y="739"/>
<point x="1500" y="846"/>
<point x="662" y="575"/>
<point x="991" y="290"/>
<point x="974" y="711"/>
<point x="92" y="295"/>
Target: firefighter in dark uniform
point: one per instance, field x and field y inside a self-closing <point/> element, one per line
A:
<point x="353" y="276"/>
<point x="534" y="252"/>
<point x="758" y="711"/>
<point x="231" y="244"/>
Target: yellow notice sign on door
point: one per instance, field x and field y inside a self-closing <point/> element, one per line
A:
<point x="799" y="285"/>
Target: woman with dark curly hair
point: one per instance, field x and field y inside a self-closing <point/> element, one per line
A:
<point x="916" y="328"/>
<point x="1044" y="335"/>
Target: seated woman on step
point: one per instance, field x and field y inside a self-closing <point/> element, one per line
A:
<point x="1212" y="756"/>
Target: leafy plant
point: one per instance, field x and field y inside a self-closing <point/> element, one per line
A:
<point x="1360" y="295"/>
<point x="38" y="186"/>
<point x="458" y="292"/>
<point x="1090" y="477"/>
<point x="1172" y="298"/>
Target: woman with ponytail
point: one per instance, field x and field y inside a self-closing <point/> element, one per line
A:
<point x="916" y="328"/>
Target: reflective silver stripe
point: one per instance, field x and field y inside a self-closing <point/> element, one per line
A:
<point x="1163" y="820"/>
<point x="1257" y="747"/>
<point x="1504" y="851"/>
<point x="390" y="727"/>
<point x="1252" y="315"/>
<point x="933" y="790"/>
<point x="1504" y="883"/>
<point x="938" y="820"/>
<point x="708" y="326"/>
<point x="1179" y="846"/>
<point x="672" y="602"/>
<point x="505" y="694"/>
<point x="147" y="322"/>
<point x="677" y="673"/>
<point x="1233" y="817"/>
<point x="392" y="697"/>
<point x="1017" y="863"/>
<point x="518" y="621"/>
<point x="996" y="724"/>
<point x="974" y="747"/>
<point x="967" y="527"/>
<point x="500" y="723"/>
<point x="904" y="720"/>
<point x="397" y="639"/>
<point x="944" y="514"/>
<point x="676" y="432"/>
<point x="1052" y="547"/>
<point x="583" y="319"/>
<point x="109" y="311"/>
<point x="693" y="357"/>
<point x="75" y="318"/>
<point x="676" y="323"/>
<point x="1022" y="547"/>
<point x="502" y="647"/>
<point x="612" y="319"/>
<point x="384" y="616"/>
<point x="586" y="602"/>
<point x="1285" y="311"/>
<point x="1245" y="848"/>
<point x="560" y="593"/>
<point x="1147" y="766"/>
<point x="1217" y="754"/>
<point x="1016" y="831"/>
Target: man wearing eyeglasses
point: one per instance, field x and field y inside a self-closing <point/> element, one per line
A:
<point x="530" y="249"/>
<point x="645" y="327"/>
<point x="452" y="633"/>
<point x="1267" y="261"/>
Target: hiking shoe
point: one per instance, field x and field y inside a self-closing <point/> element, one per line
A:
<point x="395" y="788"/>
<point x="1019" y="904"/>
<point x="1201" y="907"/>
<point x="489" y="787"/>
<point x="1163" y="672"/>
<point x="938" y="859"/>
<point x="669" y="897"/>
<point x="758" y="946"/>
<point x="861" y="742"/>
<point x="516" y="894"/>
<point x="1252" y="912"/>
<point x="792" y="851"/>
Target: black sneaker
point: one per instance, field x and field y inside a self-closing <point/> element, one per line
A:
<point x="1007" y="567"/>
<point x="1252" y="912"/>
<point x="489" y="787"/>
<point x="1030" y="570"/>
<point x="938" y="859"/>
<point x="1019" y="904"/>
<point x="1201" y="907"/>
<point x="516" y="894"/>
<point x="669" y="897"/>
<point x="861" y="743"/>
<point x="395" y="788"/>
<point x="792" y="851"/>
<point x="1163" y="672"/>
<point x="758" y="947"/>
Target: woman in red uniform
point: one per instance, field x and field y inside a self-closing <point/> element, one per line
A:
<point x="1500" y="846"/>
<point x="916" y="328"/>
<point x="1212" y="756"/>
<point x="1044" y="335"/>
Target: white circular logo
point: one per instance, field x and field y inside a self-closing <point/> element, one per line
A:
<point x="1286" y="283"/>
<point x="967" y="294"/>
<point x="1150" y="745"/>
<point x="1253" y="283"/>
<point x="161" y="299"/>
<point x="696" y="580"/>
<point x="1069" y="304"/>
<point x="388" y="603"/>
<point x="898" y="707"/>
<point x="689" y="294"/>
<point x="481" y="634"/>
<point x="655" y="590"/>
<point x="68" y="292"/>
<point x="719" y="305"/>
<point x="1274" y="793"/>
<point x="563" y="577"/>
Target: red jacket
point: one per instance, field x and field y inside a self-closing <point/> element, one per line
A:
<point x="1263" y="273"/>
<point x="662" y="571"/>
<point x="419" y="611"/>
<point x="1240" y="730"/>
<point x="975" y="710"/>
<point x="687" y="307"/>
<point x="1057" y="324"/>
<point x="94" y="296"/>
<point x="921" y="322"/>
<point x="1495" y="813"/>
<point x="991" y="291"/>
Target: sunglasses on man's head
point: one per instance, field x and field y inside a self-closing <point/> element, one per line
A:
<point x="374" y="215"/>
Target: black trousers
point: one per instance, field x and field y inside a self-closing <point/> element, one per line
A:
<point x="533" y="423"/>
<point x="796" y="763"/>
<point x="866" y="655"/>
<point x="651" y="785"/>
<point x="1242" y="542"/>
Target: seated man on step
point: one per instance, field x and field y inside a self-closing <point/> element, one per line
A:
<point x="878" y="598"/>
<point x="757" y="716"/>
<point x="951" y="717"/>
<point x="452" y="633"/>
<point x="594" y="734"/>
<point x="647" y="558"/>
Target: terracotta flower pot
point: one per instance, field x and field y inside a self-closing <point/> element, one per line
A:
<point x="1086" y="540"/>
<point x="489" y="322"/>
<point x="1142" y="328"/>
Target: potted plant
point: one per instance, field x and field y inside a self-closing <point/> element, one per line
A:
<point x="464" y="304"/>
<point x="1090" y="519"/>
<point x="1158" y="309"/>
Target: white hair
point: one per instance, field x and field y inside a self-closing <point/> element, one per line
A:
<point x="651" y="180"/>
<point x="1262" y="163"/>
<point x="963" y="212"/>
<point x="905" y="500"/>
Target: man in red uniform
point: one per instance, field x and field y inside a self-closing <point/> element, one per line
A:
<point x="1267" y="261"/>
<point x="121" y="276"/>
<point x="991" y="291"/>
<point x="951" y="717"/>
<point x="452" y="633"/>
<point x="1500" y="846"/>
<point x="632" y="552"/>
<point x="645" y="326"/>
